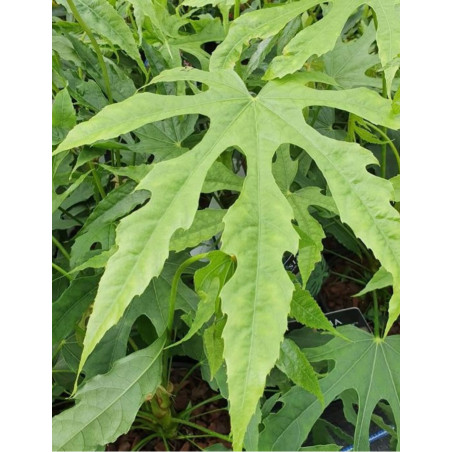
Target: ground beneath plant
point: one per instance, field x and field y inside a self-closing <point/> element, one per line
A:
<point x="213" y="416"/>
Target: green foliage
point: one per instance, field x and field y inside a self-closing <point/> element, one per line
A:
<point x="368" y="365"/>
<point x="181" y="137"/>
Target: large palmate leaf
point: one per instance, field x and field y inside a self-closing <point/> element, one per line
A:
<point x="365" y="364"/>
<point x="107" y="404"/>
<point x="258" y="227"/>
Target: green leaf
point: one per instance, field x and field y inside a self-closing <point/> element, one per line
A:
<point x="262" y="24"/>
<point x="107" y="404"/>
<point x="305" y="310"/>
<point x="258" y="227"/>
<point x="220" y="177"/>
<point x="100" y="225"/>
<point x="321" y="448"/>
<point x="214" y="345"/>
<point x="348" y="61"/>
<point x="395" y="181"/>
<point x="368" y="365"/>
<point x="382" y="278"/>
<point x="58" y="199"/>
<point x="104" y="20"/>
<point x="209" y="280"/>
<point x="284" y="168"/>
<point x="321" y="37"/>
<point x="97" y="261"/>
<point x="310" y="231"/>
<point x="135" y="173"/>
<point x="206" y="224"/>
<point x="163" y="139"/>
<point x="68" y="309"/>
<point x="293" y="362"/>
<point x="63" y="116"/>
<point x="113" y="345"/>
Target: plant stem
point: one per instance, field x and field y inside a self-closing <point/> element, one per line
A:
<point x="97" y="180"/>
<point x="204" y="402"/>
<point x="202" y="429"/>
<point x="166" y="443"/>
<point x="348" y="277"/>
<point x="63" y="272"/>
<point x="376" y="315"/>
<point x="70" y="215"/>
<point x="189" y="373"/>
<point x="96" y="48"/>
<point x="201" y="414"/>
<point x="61" y="248"/>
<point x="145" y="440"/>
<point x="236" y="9"/>
<point x="345" y="258"/>
<point x="390" y="143"/>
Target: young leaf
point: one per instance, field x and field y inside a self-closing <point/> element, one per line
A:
<point x="258" y="227"/>
<point x="293" y="362"/>
<point x="368" y="365"/>
<point x="107" y="404"/>
<point x="209" y="280"/>
<point x="305" y="310"/>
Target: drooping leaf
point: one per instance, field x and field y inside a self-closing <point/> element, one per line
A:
<point x="382" y="278"/>
<point x="260" y="285"/>
<point x="107" y="404"/>
<point x="209" y="280"/>
<point x="305" y="310"/>
<point x="293" y="362"/>
<point x="368" y="365"/>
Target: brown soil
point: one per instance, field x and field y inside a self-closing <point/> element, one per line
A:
<point x="337" y="292"/>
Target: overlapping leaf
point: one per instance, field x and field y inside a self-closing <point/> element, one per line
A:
<point x="316" y="39"/>
<point x="364" y="364"/>
<point x="258" y="228"/>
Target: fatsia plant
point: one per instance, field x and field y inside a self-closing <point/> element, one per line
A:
<point x="259" y="227"/>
